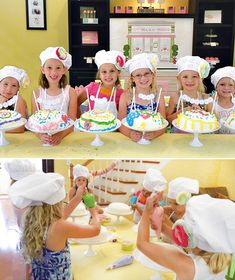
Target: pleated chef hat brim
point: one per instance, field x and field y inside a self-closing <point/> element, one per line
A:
<point x="212" y="221"/>
<point x="37" y="189"/>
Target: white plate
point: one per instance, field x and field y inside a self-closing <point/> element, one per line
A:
<point x="76" y="124"/>
<point x="116" y="213"/>
<point x="198" y="132"/>
<point x="143" y="130"/>
<point x="69" y="124"/>
<point x="17" y="124"/>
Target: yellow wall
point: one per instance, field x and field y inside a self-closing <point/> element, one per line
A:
<point x="135" y="5"/>
<point x="210" y="173"/>
<point x="21" y="47"/>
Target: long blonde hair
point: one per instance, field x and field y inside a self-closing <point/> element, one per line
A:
<point x="217" y="262"/>
<point x="37" y="220"/>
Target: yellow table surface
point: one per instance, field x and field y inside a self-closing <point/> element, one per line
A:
<point x="116" y="145"/>
<point x="94" y="267"/>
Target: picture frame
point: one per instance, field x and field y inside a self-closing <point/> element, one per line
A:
<point x="213" y="16"/>
<point x="90" y="38"/>
<point x="36" y="14"/>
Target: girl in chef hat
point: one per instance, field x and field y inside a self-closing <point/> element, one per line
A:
<point x="206" y="232"/>
<point x="54" y="92"/>
<point x="191" y="95"/>
<point x="82" y="178"/>
<point x="154" y="182"/>
<point x="141" y="94"/>
<point x="46" y="231"/>
<point x="107" y="91"/>
<point x="11" y="79"/>
<point x="224" y="82"/>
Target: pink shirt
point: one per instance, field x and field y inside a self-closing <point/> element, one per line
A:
<point x="93" y="88"/>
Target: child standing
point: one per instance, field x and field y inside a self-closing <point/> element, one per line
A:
<point x="54" y="92"/>
<point x="141" y="93"/>
<point x="224" y="82"/>
<point x="108" y="89"/>
<point x="11" y="79"/>
<point x="46" y="231"/>
<point x="191" y="72"/>
<point x="153" y="182"/>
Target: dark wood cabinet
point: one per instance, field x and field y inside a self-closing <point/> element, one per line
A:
<point x="214" y="29"/>
<point x="88" y="33"/>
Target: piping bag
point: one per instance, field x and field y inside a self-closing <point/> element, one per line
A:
<point x="123" y="261"/>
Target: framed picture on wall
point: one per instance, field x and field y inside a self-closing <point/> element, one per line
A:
<point x="36" y="14"/>
<point x="213" y="16"/>
<point x="90" y="38"/>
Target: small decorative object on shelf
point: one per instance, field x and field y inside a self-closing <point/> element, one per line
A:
<point x="87" y="15"/>
<point x="183" y="10"/>
<point x="89" y="59"/>
<point x="171" y="10"/>
<point x="129" y="10"/>
<point x="141" y="3"/>
<point x="211" y="36"/>
<point x="117" y="9"/>
<point x="126" y="51"/>
<point x="160" y="10"/>
<point x="174" y="53"/>
<point x="212" y="61"/>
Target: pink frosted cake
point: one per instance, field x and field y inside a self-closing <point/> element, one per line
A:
<point x="9" y="118"/>
<point x="48" y="120"/>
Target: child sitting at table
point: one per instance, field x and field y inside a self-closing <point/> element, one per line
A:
<point x="108" y="88"/>
<point x="11" y="79"/>
<point x="54" y="92"/>
<point x="141" y="93"/>
<point x="224" y="82"/>
<point x="191" y="95"/>
<point x="81" y="176"/>
<point x="153" y="181"/>
<point x="46" y="232"/>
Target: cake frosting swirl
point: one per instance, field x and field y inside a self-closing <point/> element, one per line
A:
<point x="9" y="118"/>
<point x="197" y="121"/>
<point x="48" y="120"/>
<point x="98" y="120"/>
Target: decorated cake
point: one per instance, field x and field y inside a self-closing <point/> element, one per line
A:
<point x="119" y="208"/>
<point x="98" y="120"/>
<point x="48" y="120"/>
<point x="197" y="121"/>
<point x="231" y="120"/>
<point x="145" y="120"/>
<point x="9" y="118"/>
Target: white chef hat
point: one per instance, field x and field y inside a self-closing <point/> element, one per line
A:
<point x="142" y="60"/>
<point x="212" y="222"/>
<point x="19" y="168"/>
<point x="154" y="180"/>
<point x="114" y="57"/>
<point x="194" y="63"/>
<point x="36" y="189"/>
<point x="19" y="74"/>
<point x="80" y="171"/>
<point x="227" y="71"/>
<point x="58" y="53"/>
<point x="181" y="189"/>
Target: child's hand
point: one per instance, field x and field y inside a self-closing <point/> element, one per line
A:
<point x="81" y="191"/>
<point x="135" y="135"/>
<point x="56" y="139"/>
<point x="149" y="135"/>
<point x="79" y="90"/>
<point x="44" y="137"/>
<point x="151" y="203"/>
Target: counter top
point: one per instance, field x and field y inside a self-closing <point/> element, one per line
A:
<point x="116" y="145"/>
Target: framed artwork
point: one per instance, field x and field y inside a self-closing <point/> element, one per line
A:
<point x="36" y="14"/>
<point x="90" y="38"/>
<point x="213" y="16"/>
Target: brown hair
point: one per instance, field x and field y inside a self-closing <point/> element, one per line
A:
<point x="43" y="82"/>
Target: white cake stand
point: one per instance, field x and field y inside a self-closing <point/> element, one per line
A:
<point x="143" y="141"/>
<point x="106" y="237"/>
<point x="51" y="132"/>
<point x="225" y="124"/>
<point x="195" y="142"/>
<point x="118" y="215"/>
<point x="97" y="142"/>
<point x="3" y="140"/>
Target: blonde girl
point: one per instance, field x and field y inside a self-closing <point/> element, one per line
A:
<point x="207" y="257"/>
<point x="224" y="82"/>
<point x="46" y="231"/>
<point x="141" y="94"/>
<point x="54" y="91"/>
<point x="191" y="95"/>
<point x="106" y="90"/>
